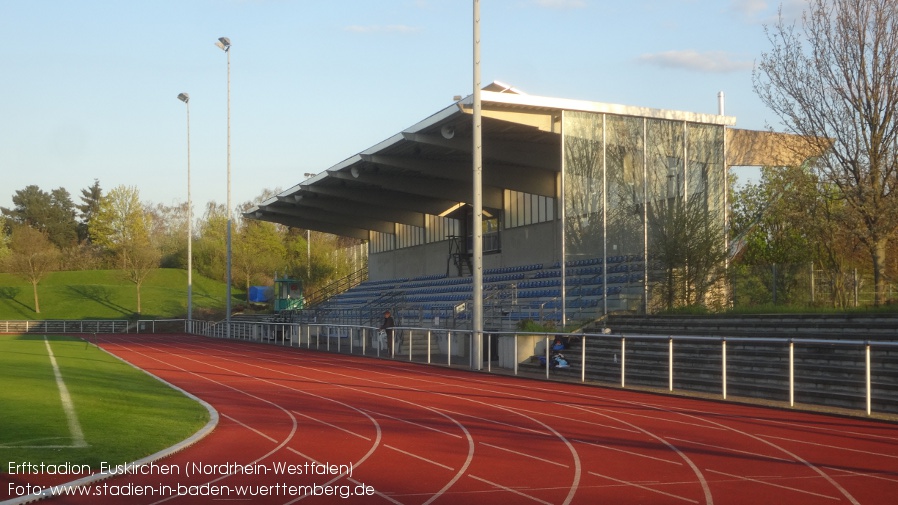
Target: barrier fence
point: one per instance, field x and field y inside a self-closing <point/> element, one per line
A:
<point x="856" y="374"/>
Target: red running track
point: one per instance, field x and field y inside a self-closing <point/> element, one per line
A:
<point x="414" y="434"/>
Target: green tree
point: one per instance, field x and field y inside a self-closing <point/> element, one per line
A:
<point x="772" y="219"/>
<point x="120" y="222"/>
<point x="4" y="237"/>
<point x="53" y="213"/>
<point x="31" y="256"/>
<point x="121" y="227"/>
<point x="833" y="81"/>
<point x="258" y="251"/>
<point x="89" y="207"/>
<point x="168" y="231"/>
<point x="209" y="250"/>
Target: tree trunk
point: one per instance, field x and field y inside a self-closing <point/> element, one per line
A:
<point x="37" y="305"/>
<point x="879" y="268"/>
<point x="138" y="298"/>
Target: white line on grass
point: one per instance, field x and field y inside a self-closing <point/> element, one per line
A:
<point x="66" y="399"/>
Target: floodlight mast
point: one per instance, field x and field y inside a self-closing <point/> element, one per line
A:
<point x="224" y="44"/>
<point x="184" y="97"/>
<point x="477" y="333"/>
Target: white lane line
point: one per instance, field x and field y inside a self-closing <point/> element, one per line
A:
<point x="805" y="428"/>
<point x="828" y="446"/>
<point x="493" y="421"/>
<point x="631" y="453"/>
<point x="510" y="490"/>
<point x="646" y="488"/>
<point x="861" y="474"/>
<point x="761" y="439"/>
<point x="422" y="458"/>
<point x="66" y="399"/>
<point x="467" y="435"/>
<point x="525" y="455"/>
<point x="730" y="450"/>
<point x="766" y="483"/>
<point x="577" y="469"/>
<point x="415" y="424"/>
<point x="695" y="470"/>
<point x="334" y="426"/>
<point x="250" y="428"/>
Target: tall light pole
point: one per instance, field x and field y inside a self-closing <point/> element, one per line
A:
<point x="477" y="224"/>
<point x="184" y="97"/>
<point x="224" y="44"/>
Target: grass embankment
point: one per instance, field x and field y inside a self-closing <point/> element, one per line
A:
<point x="106" y="294"/>
<point x="124" y="413"/>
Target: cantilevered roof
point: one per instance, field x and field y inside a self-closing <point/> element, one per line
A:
<point x="427" y="168"/>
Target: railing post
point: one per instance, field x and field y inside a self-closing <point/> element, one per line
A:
<point x="429" y="351"/>
<point x="723" y="364"/>
<point x="515" y="353"/>
<point x="670" y="363"/>
<point x="449" y="348"/>
<point x="791" y="373"/>
<point x="869" y="382"/>
<point x="623" y="361"/>
<point x="548" y="364"/>
<point x="410" y="339"/>
<point x="582" y="358"/>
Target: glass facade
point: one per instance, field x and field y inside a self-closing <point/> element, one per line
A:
<point x="621" y="175"/>
<point x="522" y="209"/>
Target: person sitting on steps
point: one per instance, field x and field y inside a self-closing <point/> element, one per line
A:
<point x="387" y="326"/>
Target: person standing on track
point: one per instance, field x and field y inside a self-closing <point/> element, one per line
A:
<point x="387" y="326"/>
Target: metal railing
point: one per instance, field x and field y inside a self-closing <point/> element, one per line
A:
<point x="66" y="326"/>
<point x="863" y="373"/>
<point x="670" y="360"/>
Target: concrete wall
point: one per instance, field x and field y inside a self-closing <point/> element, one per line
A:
<point x="525" y="245"/>
<point x="428" y="259"/>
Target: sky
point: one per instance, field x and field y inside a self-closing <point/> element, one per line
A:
<point x="88" y="88"/>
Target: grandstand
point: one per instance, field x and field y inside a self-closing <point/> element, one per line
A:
<point x="511" y="294"/>
<point x="563" y="182"/>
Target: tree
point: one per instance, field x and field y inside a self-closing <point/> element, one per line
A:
<point x="89" y="207"/>
<point x="209" y="251"/>
<point x="120" y="222"/>
<point x="772" y="218"/>
<point x="53" y="213"/>
<point x="168" y="231"/>
<point x="31" y="256"/>
<point x="834" y="82"/>
<point x="4" y="237"/>
<point x="258" y="252"/>
<point x="140" y="260"/>
<point x="121" y="226"/>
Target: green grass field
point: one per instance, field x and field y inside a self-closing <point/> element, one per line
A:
<point x="124" y="414"/>
<point x="105" y="294"/>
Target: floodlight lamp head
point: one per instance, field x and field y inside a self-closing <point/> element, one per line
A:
<point x="184" y="97"/>
<point x="223" y="43"/>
